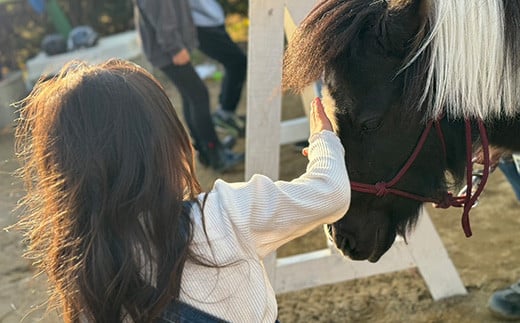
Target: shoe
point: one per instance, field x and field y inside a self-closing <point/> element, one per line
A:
<point x="231" y="124"/>
<point x="219" y="158"/>
<point x="228" y="160"/>
<point x="506" y="303"/>
<point x="229" y="142"/>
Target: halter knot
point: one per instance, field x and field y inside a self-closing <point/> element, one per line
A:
<point x="381" y="189"/>
<point x="446" y="202"/>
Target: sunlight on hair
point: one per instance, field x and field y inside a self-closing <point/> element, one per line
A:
<point x="471" y="71"/>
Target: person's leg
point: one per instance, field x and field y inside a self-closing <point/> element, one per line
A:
<point x="197" y="114"/>
<point x="508" y="167"/>
<point x="216" y="43"/>
<point x="505" y="303"/>
<point x="195" y="99"/>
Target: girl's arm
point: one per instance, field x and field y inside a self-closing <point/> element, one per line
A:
<point x="268" y="214"/>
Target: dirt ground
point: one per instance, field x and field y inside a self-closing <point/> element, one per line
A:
<point x="486" y="262"/>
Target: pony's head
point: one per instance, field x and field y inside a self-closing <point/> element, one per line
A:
<point x="387" y="70"/>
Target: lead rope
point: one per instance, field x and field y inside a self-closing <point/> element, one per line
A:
<point x="470" y="198"/>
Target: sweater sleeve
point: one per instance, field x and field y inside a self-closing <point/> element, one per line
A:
<point x="266" y="214"/>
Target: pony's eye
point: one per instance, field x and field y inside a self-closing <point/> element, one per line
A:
<point x="371" y="125"/>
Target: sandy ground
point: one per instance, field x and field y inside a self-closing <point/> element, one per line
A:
<point x="486" y="262"/>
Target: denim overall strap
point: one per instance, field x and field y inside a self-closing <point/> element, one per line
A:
<point x="178" y="312"/>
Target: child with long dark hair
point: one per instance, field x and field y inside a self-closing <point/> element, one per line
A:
<point x="115" y="216"/>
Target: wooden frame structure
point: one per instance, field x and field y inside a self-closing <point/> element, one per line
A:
<point x="265" y="134"/>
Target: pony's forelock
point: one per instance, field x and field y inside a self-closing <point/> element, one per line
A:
<point x="322" y="37"/>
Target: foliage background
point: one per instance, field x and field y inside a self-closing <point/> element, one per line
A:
<point x="22" y="29"/>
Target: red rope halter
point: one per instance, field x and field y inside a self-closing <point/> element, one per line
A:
<point x="381" y="189"/>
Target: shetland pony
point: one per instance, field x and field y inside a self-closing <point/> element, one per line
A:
<point x="415" y="86"/>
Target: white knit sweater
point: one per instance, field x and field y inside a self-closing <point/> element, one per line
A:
<point x="247" y="221"/>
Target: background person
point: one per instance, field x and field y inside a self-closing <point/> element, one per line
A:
<point x="215" y="42"/>
<point x="505" y="303"/>
<point x="168" y="34"/>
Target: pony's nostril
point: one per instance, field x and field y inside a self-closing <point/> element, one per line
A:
<point x="351" y="242"/>
<point x="347" y="243"/>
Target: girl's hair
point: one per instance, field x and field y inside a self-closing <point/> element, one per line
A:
<point x="107" y="167"/>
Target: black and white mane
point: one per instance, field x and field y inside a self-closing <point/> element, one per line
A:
<point x="464" y="56"/>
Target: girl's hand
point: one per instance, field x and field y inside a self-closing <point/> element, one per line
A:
<point x="318" y="120"/>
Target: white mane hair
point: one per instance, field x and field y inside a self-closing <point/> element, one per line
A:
<point x="471" y="72"/>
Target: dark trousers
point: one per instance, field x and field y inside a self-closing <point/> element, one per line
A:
<point x="216" y="43"/>
<point x="178" y="312"/>
<point x="512" y="175"/>
<point x="195" y="102"/>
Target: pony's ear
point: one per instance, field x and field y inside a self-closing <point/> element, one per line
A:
<point x="404" y="25"/>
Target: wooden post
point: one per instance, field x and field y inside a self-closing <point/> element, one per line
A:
<point x="433" y="261"/>
<point x="264" y="97"/>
